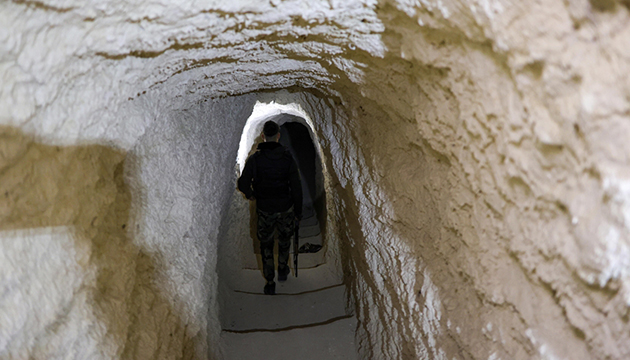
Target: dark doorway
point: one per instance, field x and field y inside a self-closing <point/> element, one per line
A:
<point x="297" y="139"/>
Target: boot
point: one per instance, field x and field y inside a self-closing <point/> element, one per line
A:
<point x="270" y="288"/>
<point x="282" y="274"/>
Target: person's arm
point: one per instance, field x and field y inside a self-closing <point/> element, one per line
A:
<point x="245" y="181"/>
<point x="296" y="189"/>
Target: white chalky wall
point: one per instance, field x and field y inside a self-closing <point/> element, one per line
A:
<point x="478" y="155"/>
<point x="177" y="176"/>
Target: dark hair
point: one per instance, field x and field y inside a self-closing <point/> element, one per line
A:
<point x="271" y="129"/>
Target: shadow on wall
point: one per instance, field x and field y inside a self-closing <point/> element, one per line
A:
<point x="72" y="281"/>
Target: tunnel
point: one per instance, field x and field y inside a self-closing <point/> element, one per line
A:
<point x="471" y="177"/>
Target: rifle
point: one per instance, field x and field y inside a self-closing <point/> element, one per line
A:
<point x="296" y="244"/>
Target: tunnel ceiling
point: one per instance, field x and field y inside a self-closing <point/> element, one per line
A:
<point x="196" y="50"/>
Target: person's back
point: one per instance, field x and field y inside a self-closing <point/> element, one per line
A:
<point x="272" y="186"/>
<point x="271" y="177"/>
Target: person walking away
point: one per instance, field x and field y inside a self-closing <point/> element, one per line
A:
<point x="271" y="178"/>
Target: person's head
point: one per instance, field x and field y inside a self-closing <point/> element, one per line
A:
<point x="271" y="131"/>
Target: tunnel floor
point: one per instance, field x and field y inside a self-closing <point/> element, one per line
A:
<point x="306" y="319"/>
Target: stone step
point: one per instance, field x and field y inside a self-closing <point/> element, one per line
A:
<point x="311" y="221"/>
<point x="259" y="312"/>
<point x="329" y="341"/>
<point x="305" y="260"/>
<point x="314" y="239"/>
<point x="253" y="261"/>
<point x="306" y="231"/>
<point x="310" y="235"/>
<point x="323" y="276"/>
<point x="308" y="212"/>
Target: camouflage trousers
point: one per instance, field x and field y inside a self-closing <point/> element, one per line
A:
<point x="266" y="228"/>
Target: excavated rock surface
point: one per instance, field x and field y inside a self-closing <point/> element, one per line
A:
<point x="477" y="162"/>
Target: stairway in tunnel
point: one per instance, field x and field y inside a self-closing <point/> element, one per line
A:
<point x="308" y="317"/>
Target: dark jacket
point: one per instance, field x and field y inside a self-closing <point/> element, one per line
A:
<point x="272" y="177"/>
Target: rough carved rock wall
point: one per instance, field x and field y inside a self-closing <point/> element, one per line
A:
<point x="478" y="151"/>
<point x="513" y="189"/>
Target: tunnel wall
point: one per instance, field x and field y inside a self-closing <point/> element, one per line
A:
<point x="487" y="201"/>
<point x="64" y="214"/>
<point x="478" y="148"/>
<point x="181" y="188"/>
<point x="112" y="254"/>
